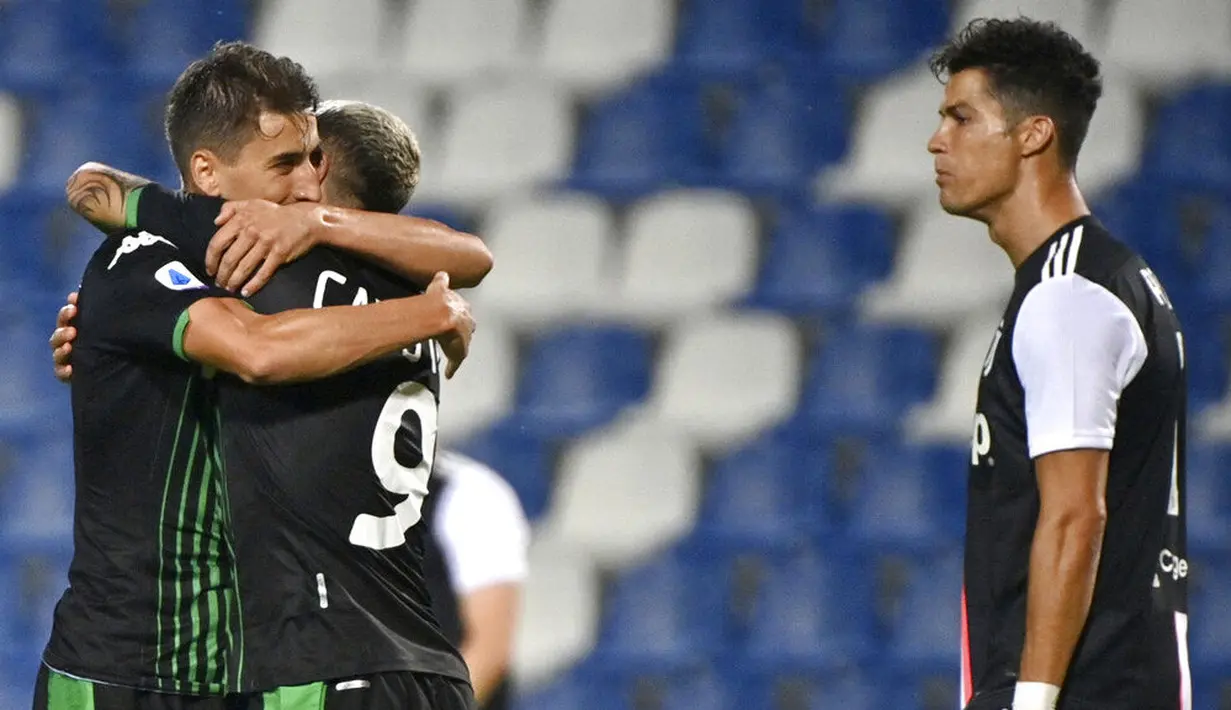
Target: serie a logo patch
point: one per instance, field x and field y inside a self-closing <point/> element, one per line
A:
<point x="177" y="277"/>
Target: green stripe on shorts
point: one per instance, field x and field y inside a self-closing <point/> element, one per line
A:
<point x="64" y="693"/>
<point x="295" y="697"/>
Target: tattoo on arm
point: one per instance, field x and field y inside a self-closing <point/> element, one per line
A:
<point x="98" y="193"/>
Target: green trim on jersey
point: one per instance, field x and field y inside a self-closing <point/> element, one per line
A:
<point x="65" y="693"/>
<point x="162" y="515"/>
<point x="296" y="697"/>
<point x="224" y="494"/>
<point x="130" y="207"/>
<point x="177" y="336"/>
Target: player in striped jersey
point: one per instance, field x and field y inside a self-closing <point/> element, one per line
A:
<point x="1075" y="577"/>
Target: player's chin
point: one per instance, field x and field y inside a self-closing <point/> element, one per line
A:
<point x="957" y="208"/>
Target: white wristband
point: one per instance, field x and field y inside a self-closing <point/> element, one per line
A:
<point x="1035" y="696"/>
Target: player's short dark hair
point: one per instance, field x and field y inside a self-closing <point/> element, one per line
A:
<point x="217" y="102"/>
<point x="373" y="154"/>
<point x="1033" y="68"/>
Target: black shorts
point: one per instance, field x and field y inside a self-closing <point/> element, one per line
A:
<point x="56" y="691"/>
<point x="382" y="691"/>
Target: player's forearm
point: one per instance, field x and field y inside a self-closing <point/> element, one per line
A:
<point x="414" y="247"/>
<point x="488" y="666"/>
<point x="1064" y="561"/>
<point x="100" y="193"/>
<point x="308" y="344"/>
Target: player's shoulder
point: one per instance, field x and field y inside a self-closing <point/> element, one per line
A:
<point x="137" y="252"/>
<point x="1100" y="256"/>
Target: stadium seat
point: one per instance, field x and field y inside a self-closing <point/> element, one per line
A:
<point x="926" y="621"/>
<point x="813" y="691"/>
<point x="577" y="379"/>
<point x="1112" y="150"/>
<point x="38" y="499"/>
<point x="1199" y="155"/>
<point x="25" y="254"/>
<point x="482" y="390"/>
<point x="1163" y="44"/>
<point x="948" y="416"/>
<point x="820" y="259"/>
<point x="908" y="499"/>
<point x="163" y="36"/>
<point x="450" y="41"/>
<point x="325" y="36"/>
<point x="865" y="40"/>
<point x="862" y="378"/>
<point x="769" y="493"/>
<point x="1078" y="17"/>
<point x="784" y="131"/>
<point x="888" y="162"/>
<point x="501" y="138"/>
<point x="686" y="251"/>
<point x="947" y="271"/>
<point x="644" y="137"/>
<point x="522" y="459"/>
<point x="722" y="380"/>
<point x="595" y="45"/>
<point x="10" y="140"/>
<point x="625" y="473"/>
<point x="1209" y="639"/>
<point x="813" y="613"/>
<point x="664" y="614"/>
<point x="559" y="612"/>
<point x="735" y="35"/>
<point x="1208" y="498"/>
<point x="554" y="254"/>
<point x="43" y="42"/>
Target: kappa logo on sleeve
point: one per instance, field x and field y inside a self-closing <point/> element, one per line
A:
<point x="132" y="243"/>
<point x="177" y="277"/>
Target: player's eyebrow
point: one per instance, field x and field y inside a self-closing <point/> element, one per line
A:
<point x="952" y="109"/>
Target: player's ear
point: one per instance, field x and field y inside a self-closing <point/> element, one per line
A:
<point x="203" y="171"/>
<point x="1035" y="134"/>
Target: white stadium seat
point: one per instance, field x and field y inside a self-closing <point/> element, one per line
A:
<point x="946" y="269"/>
<point x="482" y="390"/>
<point x="686" y="251"/>
<point x="10" y="140"/>
<point x="455" y="40"/>
<point x="1163" y="42"/>
<point x="724" y="379"/>
<point x="1078" y="17"/>
<point x="1112" y="150"/>
<point x="501" y="138"/>
<point x="553" y="254"/>
<point x="949" y="416"/>
<point x="625" y="492"/>
<point x="600" y="44"/>
<point x="323" y="35"/>
<point x="559" y="611"/>
<point x="888" y="162"/>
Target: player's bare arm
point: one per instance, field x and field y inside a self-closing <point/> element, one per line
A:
<point x="99" y="193"/>
<point x="1064" y="559"/>
<point x="312" y="343"/>
<point x="489" y="616"/>
<point x="255" y="237"/>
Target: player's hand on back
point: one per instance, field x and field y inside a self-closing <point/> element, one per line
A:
<point x="62" y="339"/>
<point x="454" y="342"/>
<point x="255" y="238"/>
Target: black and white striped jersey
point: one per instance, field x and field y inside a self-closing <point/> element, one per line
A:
<point x="1089" y="354"/>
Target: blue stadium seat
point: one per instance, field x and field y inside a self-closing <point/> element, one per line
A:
<point x="813" y="691"/>
<point x="29" y="392"/>
<point x="770" y="493"/>
<point x="864" y="40"/>
<point x="42" y="42"/>
<point x="37" y="499"/>
<point x="1209" y="636"/>
<point x="521" y="458"/>
<point x="735" y="35"/>
<point x="664" y="615"/>
<point x="1198" y="155"/>
<point x="576" y="379"/>
<point x="909" y="498"/>
<point x="78" y="125"/>
<point x="649" y="135"/>
<point x="577" y="689"/>
<point x="1209" y="498"/>
<point x="25" y="262"/>
<point x="926" y="629"/>
<point x="821" y="259"/>
<point x="813" y="612"/>
<point x="784" y="131"/>
<point x="163" y="36"/>
<point x="862" y="379"/>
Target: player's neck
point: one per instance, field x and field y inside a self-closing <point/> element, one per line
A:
<point x="1032" y="214"/>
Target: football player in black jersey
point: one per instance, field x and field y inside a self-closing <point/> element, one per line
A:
<point x="1075" y="573"/>
<point x="334" y="603"/>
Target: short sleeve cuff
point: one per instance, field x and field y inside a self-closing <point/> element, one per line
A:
<point x="1051" y="443"/>
<point x="177" y="336"/>
<point x="131" y="207"/>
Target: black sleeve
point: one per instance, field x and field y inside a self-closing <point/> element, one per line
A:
<point x="186" y="220"/>
<point x="136" y="300"/>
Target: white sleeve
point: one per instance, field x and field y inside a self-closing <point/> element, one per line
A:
<point x="481" y="528"/>
<point x="1076" y="347"/>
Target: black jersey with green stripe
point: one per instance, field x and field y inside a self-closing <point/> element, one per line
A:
<point x="151" y="601"/>
<point x="326" y="482"/>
